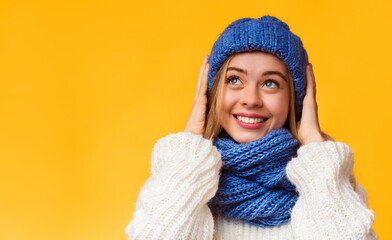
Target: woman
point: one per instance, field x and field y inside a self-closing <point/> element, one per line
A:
<point x="252" y="162"/>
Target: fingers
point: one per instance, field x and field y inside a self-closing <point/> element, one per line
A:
<point x="309" y="127"/>
<point x="196" y="119"/>
<point x="310" y="109"/>
<point x="312" y="94"/>
<point x="204" y="80"/>
<point x="310" y="81"/>
<point x="201" y="74"/>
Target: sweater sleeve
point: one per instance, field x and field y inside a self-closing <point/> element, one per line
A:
<point x="328" y="207"/>
<point x="173" y="202"/>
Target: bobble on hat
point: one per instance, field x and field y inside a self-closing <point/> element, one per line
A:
<point x="267" y="34"/>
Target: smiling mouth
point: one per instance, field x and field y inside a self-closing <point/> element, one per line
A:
<point x="250" y="119"/>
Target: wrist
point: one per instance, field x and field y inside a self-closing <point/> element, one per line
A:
<point x="314" y="138"/>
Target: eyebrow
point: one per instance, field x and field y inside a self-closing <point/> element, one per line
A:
<point x="264" y="73"/>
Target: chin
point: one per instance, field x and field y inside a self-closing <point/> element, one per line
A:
<point x="246" y="137"/>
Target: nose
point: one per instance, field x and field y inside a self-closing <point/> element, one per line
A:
<point x="251" y="97"/>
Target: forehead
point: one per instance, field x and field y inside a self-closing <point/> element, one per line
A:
<point x="258" y="61"/>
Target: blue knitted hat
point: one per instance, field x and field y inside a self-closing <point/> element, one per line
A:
<point x="267" y="34"/>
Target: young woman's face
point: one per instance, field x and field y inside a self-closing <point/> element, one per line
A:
<point x="255" y="96"/>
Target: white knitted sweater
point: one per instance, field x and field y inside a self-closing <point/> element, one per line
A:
<point x="184" y="177"/>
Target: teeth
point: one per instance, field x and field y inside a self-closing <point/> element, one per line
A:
<point x="249" y="120"/>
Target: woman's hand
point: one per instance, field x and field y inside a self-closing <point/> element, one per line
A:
<point x="196" y="120"/>
<point x="308" y="127"/>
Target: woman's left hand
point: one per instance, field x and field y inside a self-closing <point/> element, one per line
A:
<point x="308" y="127"/>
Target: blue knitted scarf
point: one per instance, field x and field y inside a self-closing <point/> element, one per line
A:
<point x="253" y="185"/>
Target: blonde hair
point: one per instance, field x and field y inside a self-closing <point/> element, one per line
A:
<point x="214" y="105"/>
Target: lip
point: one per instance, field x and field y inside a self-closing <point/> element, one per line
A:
<point x="250" y="125"/>
<point x="243" y="114"/>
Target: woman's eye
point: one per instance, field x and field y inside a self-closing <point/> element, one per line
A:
<point x="271" y="84"/>
<point x="234" y="81"/>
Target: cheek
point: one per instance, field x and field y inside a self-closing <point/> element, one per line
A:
<point x="278" y="106"/>
<point x="228" y="101"/>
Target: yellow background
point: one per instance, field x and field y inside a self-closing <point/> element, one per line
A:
<point x="88" y="87"/>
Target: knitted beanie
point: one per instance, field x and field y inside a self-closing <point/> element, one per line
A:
<point x="267" y="34"/>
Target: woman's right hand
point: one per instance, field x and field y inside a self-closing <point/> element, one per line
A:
<point x="196" y="119"/>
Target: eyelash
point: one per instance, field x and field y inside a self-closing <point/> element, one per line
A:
<point x="273" y="81"/>
<point x="232" y="78"/>
<point x="266" y="81"/>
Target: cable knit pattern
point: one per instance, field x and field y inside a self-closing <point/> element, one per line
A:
<point x="328" y="207"/>
<point x="253" y="185"/>
<point x="172" y="203"/>
<point x="185" y="172"/>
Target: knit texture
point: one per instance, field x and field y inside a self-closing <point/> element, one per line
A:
<point x="253" y="185"/>
<point x="321" y="172"/>
<point x="173" y="202"/>
<point x="267" y="34"/>
<point x="184" y="177"/>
